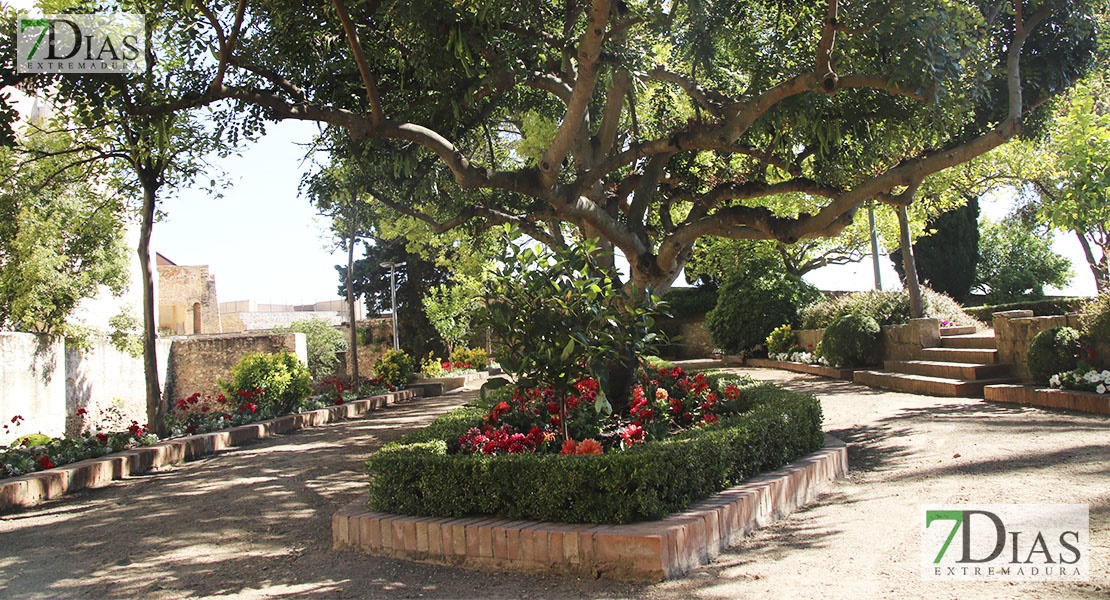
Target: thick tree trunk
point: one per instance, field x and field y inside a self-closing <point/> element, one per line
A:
<point x="351" y="310"/>
<point x="913" y="287"/>
<point x="1099" y="268"/>
<point x="155" y="408"/>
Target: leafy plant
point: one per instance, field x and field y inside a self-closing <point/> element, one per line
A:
<point x="394" y="368"/>
<point x="753" y="302"/>
<point x="851" y="341"/>
<point x="282" y="378"/>
<point x="1096" y="319"/>
<point x="323" y="342"/>
<point x="559" y="317"/>
<point x="431" y="366"/>
<point x="886" y="307"/>
<point x="477" y="358"/>
<point x="782" y="338"/>
<point x="1054" y="350"/>
<point x="450" y="310"/>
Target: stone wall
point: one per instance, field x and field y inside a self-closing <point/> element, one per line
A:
<point x="108" y="384"/>
<point x="695" y="342"/>
<point x="904" y="342"/>
<point x="809" y="338"/>
<point x="375" y="344"/>
<point x="197" y="363"/>
<point x="1014" y="330"/>
<point x="32" y="385"/>
<point x="46" y="382"/>
<point x="262" y="321"/>
<point x="181" y="291"/>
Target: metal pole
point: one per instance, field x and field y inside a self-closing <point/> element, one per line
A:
<point x="393" y="303"/>
<point x="874" y="244"/>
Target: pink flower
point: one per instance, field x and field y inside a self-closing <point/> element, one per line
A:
<point x="633" y="434"/>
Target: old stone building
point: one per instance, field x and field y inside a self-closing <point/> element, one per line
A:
<point x="187" y="301"/>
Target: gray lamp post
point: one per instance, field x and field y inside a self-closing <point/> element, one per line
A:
<point x="392" y="266"/>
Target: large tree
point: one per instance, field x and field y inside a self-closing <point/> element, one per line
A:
<point x="652" y="124"/>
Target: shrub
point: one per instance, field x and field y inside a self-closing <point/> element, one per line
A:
<point x="1053" y="351"/>
<point x="323" y="342"/>
<point x="475" y="357"/>
<point x="1096" y="319"/>
<point x="284" y="380"/>
<point x="781" y="340"/>
<point x="851" y="341"/>
<point x="394" y="368"/>
<point x="885" y="307"/>
<point x="646" y="481"/>
<point x="750" y="305"/>
<point x="690" y="302"/>
<point x="431" y="366"/>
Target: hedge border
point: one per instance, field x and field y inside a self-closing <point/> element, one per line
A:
<point x="417" y="477"/>
<point x="36" y="488"/>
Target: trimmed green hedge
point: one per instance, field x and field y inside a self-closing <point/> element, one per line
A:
<point x="1040" y="308"/>
<point x="417" y="477"/>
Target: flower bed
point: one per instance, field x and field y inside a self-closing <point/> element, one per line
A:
<point x="711" y="445"/>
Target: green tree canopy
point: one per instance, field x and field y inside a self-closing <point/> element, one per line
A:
<point x="652" y="124"/>
<point x="1016" y="262"/>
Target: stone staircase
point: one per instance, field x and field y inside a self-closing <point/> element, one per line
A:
<point x="962" y="365"/>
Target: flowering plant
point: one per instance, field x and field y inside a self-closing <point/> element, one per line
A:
<point x="1084" y="378"/>
<point x="37" y="452"/>
<point x="808" y="355"/>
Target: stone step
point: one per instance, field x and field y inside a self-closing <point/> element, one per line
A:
<point x="960" y="355"/>
<point x="923" y="384"/>
<point x="976" y="340"/>
<point x="957" y="330"/>
<point x="952" y="370"/>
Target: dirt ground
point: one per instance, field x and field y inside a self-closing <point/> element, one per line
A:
<point x="254" y="522"/>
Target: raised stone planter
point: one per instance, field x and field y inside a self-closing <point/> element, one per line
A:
<point x="649" y="551"/>
<point x="35" y="488"/>
<point x="1049" y="398"/>
<point x="434" y="386"/>
<point x="798" y="367"/>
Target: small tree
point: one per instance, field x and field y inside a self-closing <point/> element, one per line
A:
<point x="450" y="309"/>
<point x="1016" y="262"/>
<point x="323" y="342"/>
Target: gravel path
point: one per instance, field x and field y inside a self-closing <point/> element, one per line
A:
<point x="254" y="522"/>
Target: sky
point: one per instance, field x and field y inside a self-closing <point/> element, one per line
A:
<point x="263" y="241"/>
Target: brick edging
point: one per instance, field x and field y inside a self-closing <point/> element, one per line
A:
<point x="649" y="551"/>
<point x="1049" y="398"/>
<point x="798" y="367"/>
<point x="38" y="487"/>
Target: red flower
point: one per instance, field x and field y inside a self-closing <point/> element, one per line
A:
<point x="44" y="462"/>
<point x="17" y="419"/>
<point x="338" y="400"/>
<point x="589" y="447"/>
<point x="633" y="434"/>
<point x="498" y="411"/>
<point x="732" y="392"/>
<point x="569" y="447"/>
<point x="709" y="419"/>
<point x="102" y="438"/>
<point x="553" y="407"/>
<point x="248" y="407"/>
<point x="82" y="412"/>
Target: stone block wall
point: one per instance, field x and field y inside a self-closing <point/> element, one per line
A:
<point x="183" y="289"/>
<point x="197" y="363"/>
<point x="32" y="385"/>
<point x="1014" y="330"/>
<point x="809" y="338"/>
<point x="904" y="342"/>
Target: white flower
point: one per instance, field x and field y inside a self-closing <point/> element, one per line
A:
<point x="1092" y="377"/>
<point x="1101" y="389"/>
<point x="1106" y="376"/>
<point x="1054" y="381"/>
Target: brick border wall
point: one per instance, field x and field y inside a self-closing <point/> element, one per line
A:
<point x="35" y="488"/>
<point x="1049" y="398"/>
<point x="798" y="367"/>
<point x="638" y="552"/>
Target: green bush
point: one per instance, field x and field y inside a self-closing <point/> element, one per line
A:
<point x="750" y="305"/>
<point x="886" y="307"/>
<point x="782" y="339"/>
<point x="394" y="368"/>
<point x="1053" y="351"/>
<point x="284" y="380"/>
<point x="1096" y="319"/>
<point x="1040" y="308"/>
<point x="645" y="482"/>
<point x="323" y="342"/>
<point x="477" y="358"/>
<point x="851" y="341"/>
<point x="690" y="302"/>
